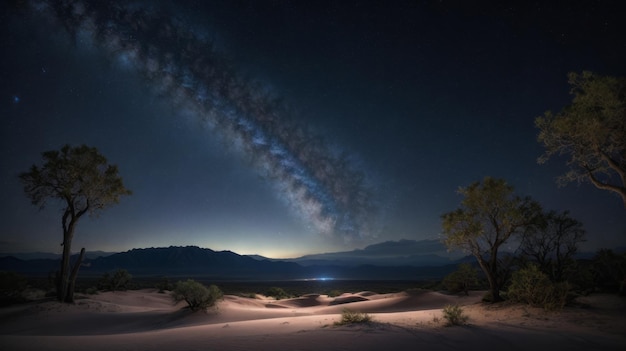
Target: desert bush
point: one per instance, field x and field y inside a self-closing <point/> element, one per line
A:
<point x="163" y="285"/>
<point x="11" y="284"/>
<point x="334" y="293"/>
<point x="248" y="295"/>
<point x="530" y="285"/>
<point x="197" y="296"/>
<point x="119" y="280"/>
<point x="609" y="271"/>
<point x="32" y="294"/>
<point x="461" y="280"/>
<point x="488" y="297"/>
<point x="12" y="288"/>
<point x="583" y="281"/>
<point x="352" y="317"/>
<point x="277" y="293"/>
<point x="453" y="314"/>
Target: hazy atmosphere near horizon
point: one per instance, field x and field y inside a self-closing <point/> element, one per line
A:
<point x="326" y="126"/>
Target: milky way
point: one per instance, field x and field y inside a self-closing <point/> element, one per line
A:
<point x="321" y="186"/>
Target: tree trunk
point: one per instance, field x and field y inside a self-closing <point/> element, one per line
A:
<point x="490" y="270"/>
<point x="495" y="289"/>
<point x="63" y="281"/>
<point x="72" y="282"/>
<point x="68" y="234"/>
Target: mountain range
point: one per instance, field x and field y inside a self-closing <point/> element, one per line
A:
<point x="388" y="253"/>
<point x="405" y="259"/>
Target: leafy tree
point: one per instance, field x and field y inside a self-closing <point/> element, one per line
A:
<point x="80" y="178"/>
<point x="553" y="242"/>
<point x="490" y="214"/>
<point x="591" y="132"/>
<point x="462" y="279"/>
<point x="197" y="296"/>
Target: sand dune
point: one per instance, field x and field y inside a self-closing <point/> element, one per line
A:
<point x="147" y="320"/>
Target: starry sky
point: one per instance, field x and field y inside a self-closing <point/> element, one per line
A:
<point x="285" y="128"/>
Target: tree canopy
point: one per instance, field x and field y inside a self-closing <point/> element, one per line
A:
<point x="82" y="180"/>
<point x="591" y="132"/>
<point x="78" y="177"/>
<point x="553" y="242"/>
<point x="490" y="214"/>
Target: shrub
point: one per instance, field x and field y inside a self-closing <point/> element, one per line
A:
<point x="453" y="314"/>
<point x="352" y="317"/>
<point x="277" y="293"/>
<point x="249" y="295"/>
<point x="530" y="285"/>
<point x="163" y="285"/>
<point x="13" y="288"/>
<point x="197" y="296"/>
<point x="462" y="279"/>
<point x="334" y="293"/>
<point x="119" y="280"/>
<point x="11" y="284"/>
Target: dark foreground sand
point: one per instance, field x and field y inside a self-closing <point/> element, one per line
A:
<point x="147" y="320"/>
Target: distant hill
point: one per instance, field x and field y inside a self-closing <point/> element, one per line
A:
<point x="192" y="261"/>
<point x="50" y="255"/>
<point x="399" y="260"/>
<point x="389" y="253"/>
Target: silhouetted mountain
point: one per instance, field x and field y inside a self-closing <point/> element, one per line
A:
<point x="192" y="261"/>
<point x="390" y="253"/>
<point x="50" y="255"/>
<point x="41" y="266"/>
<point x="375" y="262"/>
<point x="262" y="258"/>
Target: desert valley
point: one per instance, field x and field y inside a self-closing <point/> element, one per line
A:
<point x="148" y="320"/>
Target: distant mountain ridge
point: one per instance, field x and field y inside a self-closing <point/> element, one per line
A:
<point x="404" y="259"/>
<point x="50" y="255"/>
<point x="389" y="253"/>
<point x="192" y="261"/>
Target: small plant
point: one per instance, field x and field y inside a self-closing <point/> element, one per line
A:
<point x="163" y="285"/>
<point x="453" y="314"/>
<point x="277" y="293"/>
<point x="352" y="317"/>
<point x="197" y="296"/>
<point x="334" y="293"/>
<point x="248" y="295"/>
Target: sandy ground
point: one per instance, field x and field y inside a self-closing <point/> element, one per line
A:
<point x="147" y="320"/>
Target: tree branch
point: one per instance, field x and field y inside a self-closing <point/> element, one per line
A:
<point x="615" y="166"/>
<point x="600" y="185"/>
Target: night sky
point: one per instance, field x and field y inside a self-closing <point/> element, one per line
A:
<point x="284" y="128"/>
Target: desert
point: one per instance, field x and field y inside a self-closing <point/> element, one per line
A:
<point x="148" y="320"/>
